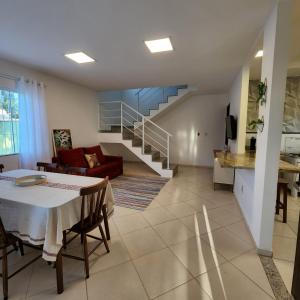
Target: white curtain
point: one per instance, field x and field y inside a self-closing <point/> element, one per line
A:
<point x="34" y="132"/>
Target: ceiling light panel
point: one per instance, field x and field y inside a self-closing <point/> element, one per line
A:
<point x="79" y="57"/>
<point x="259" y="53"/>
<point x="160" y="45"/>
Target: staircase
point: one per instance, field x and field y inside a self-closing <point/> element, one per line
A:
<point x="153" y="101"/>
<point x="120" y="123"/>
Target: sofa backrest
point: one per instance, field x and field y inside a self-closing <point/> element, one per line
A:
<point x="72" y="157"/>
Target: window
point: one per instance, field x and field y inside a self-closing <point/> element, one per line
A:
<point x="9" y="122"/>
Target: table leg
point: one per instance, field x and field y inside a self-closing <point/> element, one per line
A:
<point x="59" y="273"/>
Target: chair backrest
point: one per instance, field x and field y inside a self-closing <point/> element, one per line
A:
<point x="75" y="171"/>
<point x="92" y="203"/>
<point x="49" y="167"/>
<point x="1" y="167"/>
<point x="42" y="165"/>
<point x="3" y="236"/>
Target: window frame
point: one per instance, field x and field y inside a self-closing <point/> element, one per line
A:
<point x="3" y="88"/>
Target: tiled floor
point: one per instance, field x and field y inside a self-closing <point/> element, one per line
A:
<point x="190" y="243"/>
<point x="284" y="241"/>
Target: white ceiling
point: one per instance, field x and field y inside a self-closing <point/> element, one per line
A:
<point x="294" y="47"/>
<point x="211" y="39"/>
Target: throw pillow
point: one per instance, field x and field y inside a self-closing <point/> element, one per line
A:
<point x="92" y="160"/>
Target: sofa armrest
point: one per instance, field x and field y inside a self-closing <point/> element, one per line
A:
<point x="111" y="158"/>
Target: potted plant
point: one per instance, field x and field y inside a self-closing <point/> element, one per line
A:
<point x="262" y="92"/>
<point x="258" y="124"/>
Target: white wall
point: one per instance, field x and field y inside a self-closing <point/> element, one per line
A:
<point x="69" y="105"/>
<point x="199" y="113"/>
<point x="238" y="96"/>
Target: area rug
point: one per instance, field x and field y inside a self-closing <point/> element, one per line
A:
<point x="136" y="192"/>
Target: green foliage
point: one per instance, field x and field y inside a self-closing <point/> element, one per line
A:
<point x="262" y="92"/>
<point x="9" y="102"/>
<point x="9" y="127"/>
<point x="257" y="124"/>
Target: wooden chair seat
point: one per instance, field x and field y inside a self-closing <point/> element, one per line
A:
<point x="85" y="226"/>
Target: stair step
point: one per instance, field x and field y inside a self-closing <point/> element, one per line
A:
<point x="147" y="149"/>
<point x="136" y="141"/>
<point x="155" y="155"/>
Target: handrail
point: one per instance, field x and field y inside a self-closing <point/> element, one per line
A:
<point x="138" y="124"/>
<point x="146" y="119"/>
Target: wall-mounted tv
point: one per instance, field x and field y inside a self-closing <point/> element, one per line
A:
<point x="231" y="127"/>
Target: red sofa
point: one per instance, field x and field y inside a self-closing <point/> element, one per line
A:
<point x="111" y="166"/>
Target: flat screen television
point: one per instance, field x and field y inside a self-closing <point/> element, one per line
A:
<point x="231" y="127"/>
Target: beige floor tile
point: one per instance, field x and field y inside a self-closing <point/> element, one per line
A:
<point x="180" y="210"/>
<point x="223" y="197"/>
<point x="153" y="204"/>
<point x="293" y="226"/>
<point x="72" y="291"/>
<point x="101" y="260"/>
<point x="229" y="283"/>
<point x="286" y="270"/>
<point x="249" y="263"/>
<point x="138" y="169"/>
<point x="44" y="276"/>
<point x="241" y="230"/>
<point x="130" y="223"/>
<point x="168" y="197"/>
<point x="292" y="215"/>
<point x="197" y="256"/>
<point x="120" y="282"/>
<point x="143" y="242"/>
<point x="123" y="211"/>
<point x="173" y="232"/>
<point x="283" y="229"/>
<point x="284" y="248"/>
<point x="222" y="216"/>
<point x="201" y="204"/>
<point x="199" y="224"/>
<point x="161" y="271"/>
<point x="226" y="243"/>
<point x="18" y="285"/>
<point x="157" y="215"/>
<point x="188" y="291"/>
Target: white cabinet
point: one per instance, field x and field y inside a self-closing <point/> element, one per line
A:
<point x="222" y="175"/>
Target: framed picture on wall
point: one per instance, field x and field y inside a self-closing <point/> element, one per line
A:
<point x="61" y="140"/>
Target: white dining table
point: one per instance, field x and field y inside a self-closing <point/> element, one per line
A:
<point x="39" y="214"/>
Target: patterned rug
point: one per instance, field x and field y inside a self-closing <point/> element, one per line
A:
<point x="136" y="192"/>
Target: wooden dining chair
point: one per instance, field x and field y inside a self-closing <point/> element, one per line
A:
<point x="1" y="168"/>
<point x="91" y="218"/>
<point x="41" y="165"/>
<point x="49" y="167"/>
<point x="7" y="240"/>
<point x="282" y="185"/>
<point x="75" y="171"/>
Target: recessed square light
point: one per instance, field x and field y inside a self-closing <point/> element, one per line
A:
<point x="259" y="53"/>
<point x="79" y="57"/>
<point x="160" y="45"/>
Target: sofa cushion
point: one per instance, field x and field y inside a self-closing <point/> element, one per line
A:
<point x="98" y="151"/>
<point x="73" y="158"/>
<point x="92" y="160"/>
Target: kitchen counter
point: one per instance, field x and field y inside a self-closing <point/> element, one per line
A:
<point x="247" y="161"/>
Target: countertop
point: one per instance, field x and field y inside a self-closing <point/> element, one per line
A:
<point x="247" y="161"/>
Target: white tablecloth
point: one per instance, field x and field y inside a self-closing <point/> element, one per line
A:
<point x="39" y="214"/>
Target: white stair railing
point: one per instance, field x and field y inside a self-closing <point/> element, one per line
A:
<point x="133" y="124"/>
